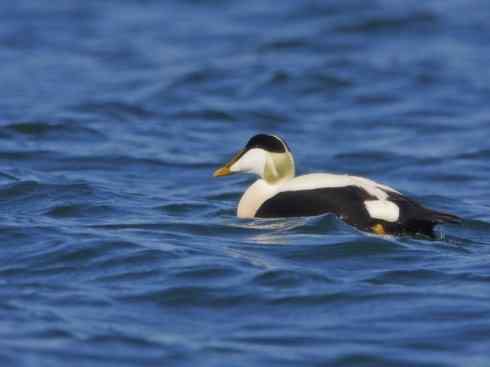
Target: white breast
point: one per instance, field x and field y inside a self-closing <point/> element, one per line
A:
<point x="254" y="197"/>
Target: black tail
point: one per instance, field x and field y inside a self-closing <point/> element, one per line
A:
<point x="426" y="223"/>
<point x="439" y="218"/>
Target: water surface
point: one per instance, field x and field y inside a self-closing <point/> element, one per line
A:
<point x="119" y="248"/>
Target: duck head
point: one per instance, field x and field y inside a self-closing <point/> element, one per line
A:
<point x="267" y="156"/>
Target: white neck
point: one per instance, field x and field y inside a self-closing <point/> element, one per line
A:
<point x="255" y="196"/>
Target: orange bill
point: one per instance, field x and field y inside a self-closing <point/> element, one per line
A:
<point x="225" y="170"/>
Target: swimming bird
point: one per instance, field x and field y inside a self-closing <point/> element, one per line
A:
<point x="360" y="202"/>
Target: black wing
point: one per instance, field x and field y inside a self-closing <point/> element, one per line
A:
<point x="348" y="203"/>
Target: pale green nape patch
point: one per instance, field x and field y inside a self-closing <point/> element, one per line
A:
<point x="279" y="166"/>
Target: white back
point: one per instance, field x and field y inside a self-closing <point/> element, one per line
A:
<point x="318" y="180"/>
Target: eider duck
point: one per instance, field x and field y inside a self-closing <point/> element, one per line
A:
<point x="360" y="202"/>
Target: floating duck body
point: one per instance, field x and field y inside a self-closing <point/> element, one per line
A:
<point x="360" y="202"/>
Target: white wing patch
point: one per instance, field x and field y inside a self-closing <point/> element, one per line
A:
<point x="383" y="209"/>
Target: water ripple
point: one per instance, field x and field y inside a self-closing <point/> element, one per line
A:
<point x="116" y="237"/>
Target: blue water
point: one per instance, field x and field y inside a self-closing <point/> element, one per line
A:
<point x="119" y="248"/>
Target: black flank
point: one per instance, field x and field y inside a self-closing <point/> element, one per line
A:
<point x="346" y="202"/>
